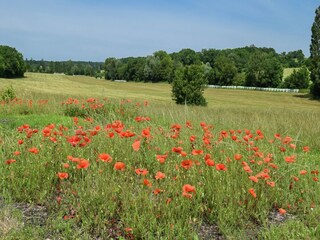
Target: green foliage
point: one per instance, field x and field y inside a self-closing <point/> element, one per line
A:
<point x="264" y="70"/>
<point x="225" y="71"/>
<point x="8" y="94"/>
<point x="298" y="79"/>
<point x="11" y="63"/>
<point x="315" y="55"/>
<point x="188" y="85"/>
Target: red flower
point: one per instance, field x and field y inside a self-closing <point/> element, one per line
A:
<point x="306" y="148"/>
<point x="253" y="179"/>
<point x="187" y="189"/>
<point x="282" y="211"/>
<point x="303" y="172"/>
<point x="119" y="166"/>
<point x="252" y="192"/>
<point x="221" y="167"/>
<point x="237" y="156"/>
<point x="160" y="175"/>
<point x="83" y="163"/>
<point x="197" y="152"/>
<point x="271" y="184"/>
<point x="62" y="175"/>
<point x="147" y="183"/>
<point x="186" y="164"/>
<point x="105" y="157"/>
<point x="210" y="162"/>
<point x="9" y="161"/>
<point x="141" y="171"/>
<point x="33" y="150"/>
<point x="136" y="145"/>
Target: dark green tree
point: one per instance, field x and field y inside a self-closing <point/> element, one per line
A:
<point x="263" y="70"/>
<point x="188" y="85"/>
<point x="110" y="66"/>
<point x="12" y="64"/>
<point x="315" y="56"/>
<point x="225" y="71"/>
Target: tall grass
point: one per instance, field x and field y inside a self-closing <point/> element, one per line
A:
<point x="134" y="169"/>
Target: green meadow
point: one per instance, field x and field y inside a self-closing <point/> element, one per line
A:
<point x="86" y="158"/>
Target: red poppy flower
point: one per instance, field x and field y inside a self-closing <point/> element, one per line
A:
<point x="188" y="188"/>
<point x="252" y="192"/>
<point x="210" y="162"/>
<point x="237" y="156"/>
<point x="221" y="167"/>
<point x="271" y="184"/>
<point x="147" y="183"/>
<point x="186" y="164"/>
<point x="141" y="171"/>
<point x="83" y="164"/>
<point x="282" y="211"/>
<point x="105" y="157"/>
<point x="34" y="150"/>
<point x="197" y="152"/>
<point x="160" y="175"/>
<point x="306" y="148"/>
<point x="254" y="179"/>
<point x="9" y="161"/>
<point x="303" y="172"/>
<point x="136" y="145"/>
<point x="119" y="166"/>
<point x="62" y="175"/>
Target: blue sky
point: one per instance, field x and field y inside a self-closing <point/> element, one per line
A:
<point x="92" y="30"/>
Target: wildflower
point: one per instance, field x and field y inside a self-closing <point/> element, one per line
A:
<point x="252" y="192"/>
<point x="160" y="175"/>
<point x="119" y="166"/>
<point x="161" y="158"/>
<point x="306" y="148"/>
<point x="187" y="189"/>
<point x="65" y="165"/>
<point x="290" y="159"/>
<point x="16" y="153"/>
<point x="282" y="211"/>
<point x="197" y="152"/>
<point x="210" y="162"/>
<point x="147" y="183"/>
<point x="9" y="161"/>
<point x="237" y="156"/>
<point x="186" y="164"/>
<point x="105" y="157"/>
<point x="83" y="164"/>
<point x="271" y="184"/>
<point x="141" y="171"/>
<point x="254" y="179"/>
<point x="221" y="167"/>
<point x="33" y="150"/>
<point x="157" y="191"/>
<point x="62" y="175"/>
<point x="303" y="172"/>
<point x="136" y="145"/>
<point x="20" y="141"/>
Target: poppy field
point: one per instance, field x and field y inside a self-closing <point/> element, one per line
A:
<point x="118" y="168"/>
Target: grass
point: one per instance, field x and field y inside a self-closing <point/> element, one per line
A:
<point x="95" y="170"/>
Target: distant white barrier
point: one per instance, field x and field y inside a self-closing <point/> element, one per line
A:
<point x="257" y="88"/>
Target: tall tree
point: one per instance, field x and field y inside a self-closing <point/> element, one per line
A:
<point x="315" y="55"/>
<point x="188" y="85"/>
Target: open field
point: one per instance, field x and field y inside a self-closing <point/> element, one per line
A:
<point x="122" y="161"/>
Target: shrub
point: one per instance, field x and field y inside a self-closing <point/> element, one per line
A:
<point x="8" y="94"/>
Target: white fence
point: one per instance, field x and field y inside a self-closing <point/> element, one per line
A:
<point x="257" y="88"/>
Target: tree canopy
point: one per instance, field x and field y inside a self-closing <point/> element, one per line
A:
<point x="12" y="64"/>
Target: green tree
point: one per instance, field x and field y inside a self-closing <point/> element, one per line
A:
<point x="298" y="79"/>
<point x="315" y="55"/>
<point x="225" y="71"/>
<point x="12" y="64"/>
<point x="110" y="66"/>
<point x="263" y="70"/>
<point x="159" y="67"/>
<point x="188" y="85"/>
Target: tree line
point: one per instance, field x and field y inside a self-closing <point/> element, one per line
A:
<point x="247" y="66"/>
<point x="67" y="67"/>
